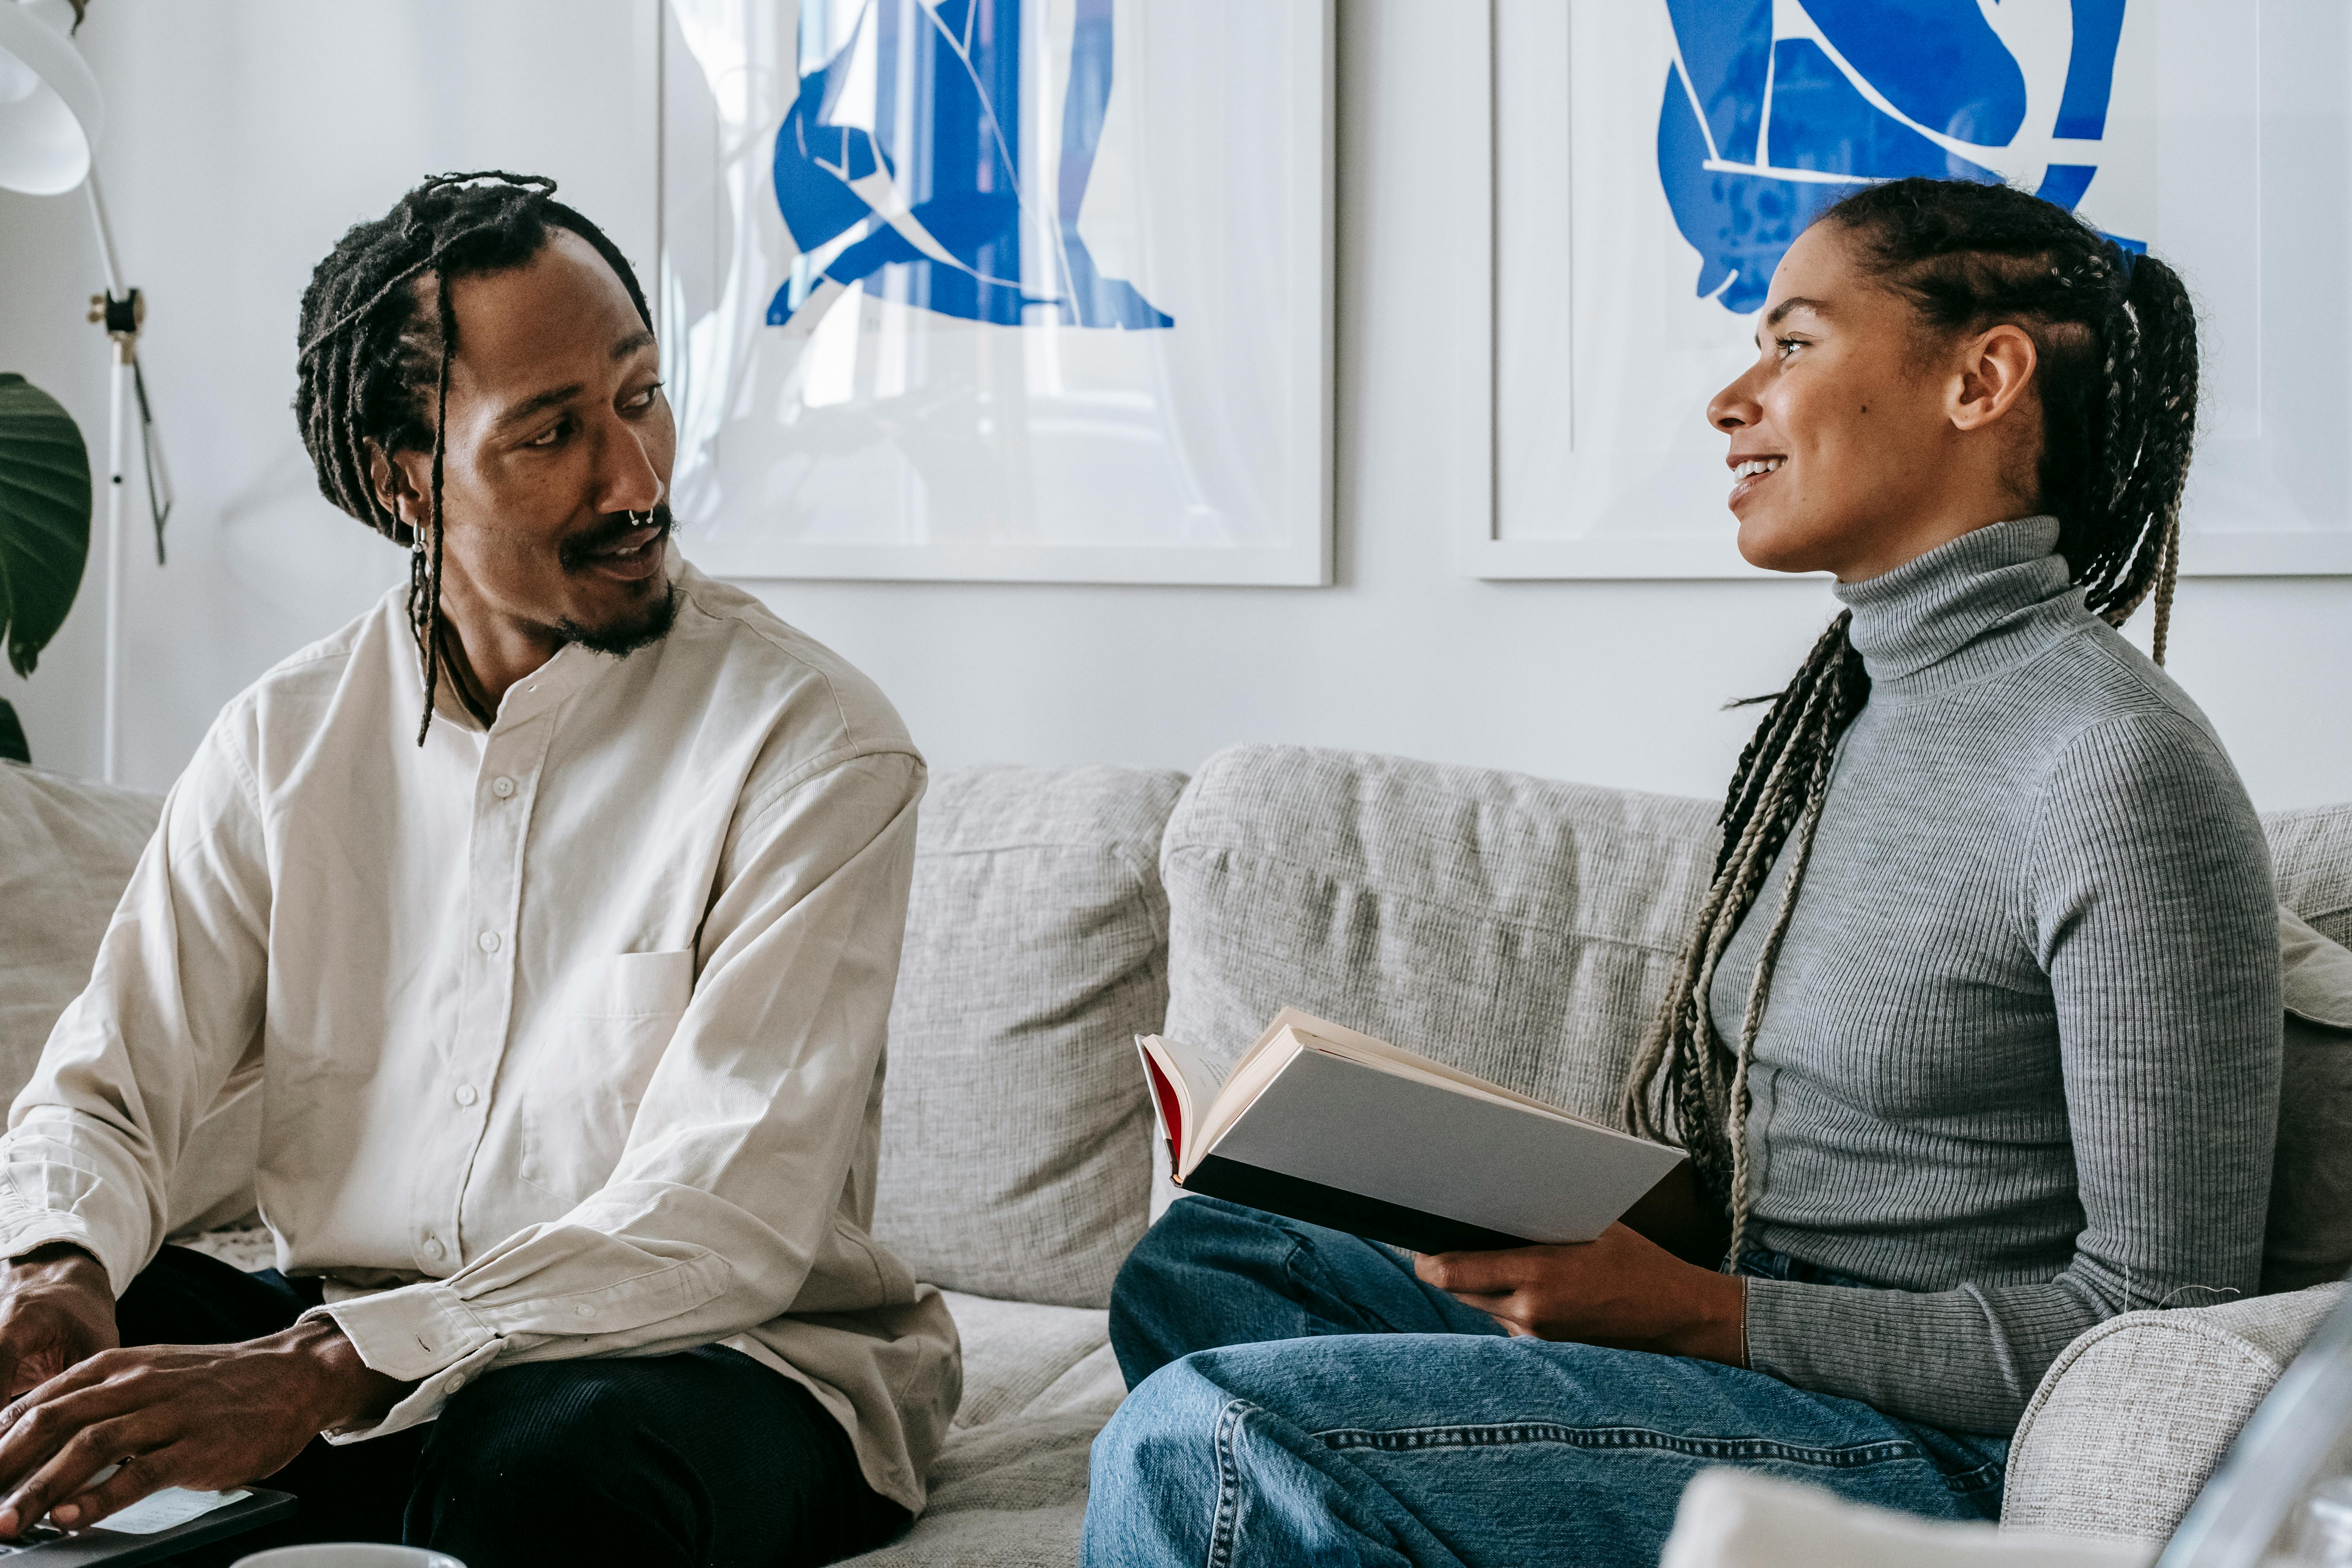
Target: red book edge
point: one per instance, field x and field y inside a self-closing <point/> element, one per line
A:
<point x="1165" y="1092"/>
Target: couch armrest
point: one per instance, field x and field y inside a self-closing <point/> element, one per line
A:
<point x="2133" y="1417"/>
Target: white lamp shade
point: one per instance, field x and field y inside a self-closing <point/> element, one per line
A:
<point x="50" y="111"/>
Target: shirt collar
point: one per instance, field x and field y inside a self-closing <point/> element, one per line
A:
<point x="571" y="668"/>
<point x="1987" y="600"/>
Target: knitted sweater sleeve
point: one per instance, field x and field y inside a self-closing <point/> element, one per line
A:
<point x="2149" y="903"/>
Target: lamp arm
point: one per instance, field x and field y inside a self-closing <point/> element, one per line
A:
<point x="105" y="233"/>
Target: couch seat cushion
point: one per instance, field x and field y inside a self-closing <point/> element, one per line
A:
<point x="1010" y="1491"/>
<point x="1024" y="1359"/>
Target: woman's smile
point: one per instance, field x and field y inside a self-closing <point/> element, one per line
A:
<point x="1750" y="471"/>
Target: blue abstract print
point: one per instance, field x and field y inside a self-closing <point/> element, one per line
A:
<point x="1764" y="126"/>
<point x="904" y="150"/>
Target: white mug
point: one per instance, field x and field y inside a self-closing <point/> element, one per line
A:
<point x="348" y="1555"/>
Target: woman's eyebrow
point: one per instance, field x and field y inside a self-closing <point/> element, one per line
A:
<point x="1781" y="310"/>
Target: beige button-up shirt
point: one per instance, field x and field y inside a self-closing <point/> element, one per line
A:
<point x="570" y="1032"/>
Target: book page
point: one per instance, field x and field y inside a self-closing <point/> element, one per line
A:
<point x="1362" y="1047"/>
<point x="1184" y="1084"/>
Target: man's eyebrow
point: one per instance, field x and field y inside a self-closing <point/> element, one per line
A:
<point x="555" y="395"/>
<point x="1779" y="312"/>
<point x="537" y="404"/>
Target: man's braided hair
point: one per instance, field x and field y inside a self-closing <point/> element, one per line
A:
<point x="2116" y="340"/>
<point x="377" y="339"/>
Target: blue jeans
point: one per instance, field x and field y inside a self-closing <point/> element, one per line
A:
<point x="1301" y="1397"/>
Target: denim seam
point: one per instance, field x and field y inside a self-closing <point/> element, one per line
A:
<point x="1749" y="1450"/>
<point x="1226" y="1521"/>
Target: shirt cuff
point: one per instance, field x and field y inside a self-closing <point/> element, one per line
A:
<point x="420" y="1333"/>
<point x="22" y="1234"/>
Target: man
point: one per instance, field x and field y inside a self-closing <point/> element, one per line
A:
<point x="568" y="1005"/>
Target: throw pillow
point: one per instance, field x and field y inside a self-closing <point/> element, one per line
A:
<point x="2309" y="1239"/>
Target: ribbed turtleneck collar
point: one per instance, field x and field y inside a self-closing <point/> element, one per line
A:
<point x="1987" y="601"/>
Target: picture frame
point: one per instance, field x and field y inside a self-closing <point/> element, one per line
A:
<point x="1009" y="290"/>
<point x="2219" y="124"/>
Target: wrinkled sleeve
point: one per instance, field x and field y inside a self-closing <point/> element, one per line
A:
<point x="733" y="1170"/>
<point x="172" y="1012"/>
<point x="2148" y="895"/>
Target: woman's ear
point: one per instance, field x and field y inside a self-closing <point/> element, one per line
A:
<point x="1996" y="366"/>
<point x="397" y="490"/>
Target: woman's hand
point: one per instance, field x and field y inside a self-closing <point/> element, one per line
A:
<point x="1623" y="1290"/>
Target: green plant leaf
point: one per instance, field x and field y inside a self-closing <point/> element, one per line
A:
<point x="12" y="735"/>
<point x="44" y="517"/>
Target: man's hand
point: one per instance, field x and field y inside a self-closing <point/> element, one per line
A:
<point x="1621" y="1290"/>
<point x="204" y="1417"/>
<point x="57" y="1309"/>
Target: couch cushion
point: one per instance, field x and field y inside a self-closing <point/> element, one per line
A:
<point x="2309" y="1239"/>
<point x="71" y="848"/>
<point x="2131" y="1419"/>
<point x="1011" y="1494"/>
<point x="2311" y="852"/>
<point x="1009" y="1490"/>
<point x="1022" y="1360"/>
<point x="1015" y="1122"/>
<point x="1520" y="929"/>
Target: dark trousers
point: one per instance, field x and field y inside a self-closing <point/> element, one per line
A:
<point x="704" y="1457"/>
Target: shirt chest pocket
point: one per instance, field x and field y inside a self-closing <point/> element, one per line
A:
<point x="604" y="1036"/>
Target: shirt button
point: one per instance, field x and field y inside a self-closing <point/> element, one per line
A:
<point x="432" y="1248"/>
<point x="502" y="786"/>
<point x="466" y="1095"/>
<point x="488" y="942"/>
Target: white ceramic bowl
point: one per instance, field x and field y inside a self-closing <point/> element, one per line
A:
<point x="349" y="1554"/>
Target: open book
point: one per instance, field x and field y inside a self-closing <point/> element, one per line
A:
<point x="1338" y="1129"/>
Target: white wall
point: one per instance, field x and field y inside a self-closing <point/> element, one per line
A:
<point x="247" y="132"/>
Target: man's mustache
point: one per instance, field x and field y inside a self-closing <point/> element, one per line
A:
<point x="573" y="553"/>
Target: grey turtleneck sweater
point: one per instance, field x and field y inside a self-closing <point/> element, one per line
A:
<point x="2021" y="1062"/>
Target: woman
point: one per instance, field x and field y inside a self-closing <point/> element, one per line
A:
<point x="1975" y="1042"/>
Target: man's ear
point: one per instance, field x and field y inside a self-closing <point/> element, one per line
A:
<point x="399" y="483"/>
<point x="1996" y="366"/>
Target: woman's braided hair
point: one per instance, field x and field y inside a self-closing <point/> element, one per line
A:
<point x="374" y="370"/>
<point x="2115" y="338"/>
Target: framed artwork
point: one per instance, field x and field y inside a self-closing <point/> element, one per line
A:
<point x="1654" y="158"/>
<point x="1000" y="290"/>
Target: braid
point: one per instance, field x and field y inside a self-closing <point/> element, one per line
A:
<point x="1777" y="790"/>
<point x="2116" y="337"/>
<point x="372" y="372"/>
<point x="432" y="622"/>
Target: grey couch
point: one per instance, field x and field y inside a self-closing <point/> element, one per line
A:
<point x="1516" y="926"/>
